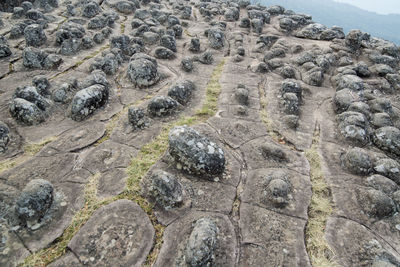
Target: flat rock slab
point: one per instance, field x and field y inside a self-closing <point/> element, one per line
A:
<point x="112" y="182"/>
<point x="117" y="234"/>
<point x="52" y="169"/>
<point x="108" y="155"/>
<point x="177" y="234"/>
<point x="75" y="139"/>
<point x="12" y="249"/>
<point x="237" y="132"/>
<point x="264" y="153"/>
<point x="355" y="245"/>
<point x="299" y="194"/>
<point x="280" y="235"/>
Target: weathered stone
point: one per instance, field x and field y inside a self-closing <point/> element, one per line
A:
<point x="168" y="42"/>
<point x="136" y="117"/>
<point x="182" y="91"/>
<point x="357" y="161"/>
<point x="194" y="45"/>
<point x="125" y="7"/>
<point x="34" y="35"/>
<point x="4" y="136"/>
<point x="291" y="103"/>
<point x="376" y="203"/>
<point x="132" y="233"/>
<point x="165" y="190"/>
<point x="379" y="120"/>
<point x="382" y="183"/>
<point x="26" y="112"/>
<point x="291" y="86"/>
<point x="389" y="168"/>
<point x="195" y="153"/>
<point x="87" y="100"/>
<point x="162" y="106"/>
<point x="202" y="243"/>
<point x="143" y="72"/>
<point x="206" y="58"/>
<point x="354" y="127"/>
<point x="90" y="10"/>
<point x="164" y="53"/>
<point x="344" y="98"/>
<point x="33" y="203"/>
<point x="216" y="38"/>
<point x="30" y="94"/>
<point x="42" y="85"/>
<point x="187" y="64"/>
<point x="388" y="139"/>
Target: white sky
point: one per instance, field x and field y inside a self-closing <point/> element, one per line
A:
<point x="381" y="6"/>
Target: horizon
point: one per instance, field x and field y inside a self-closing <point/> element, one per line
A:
<point x="383" y="7"/>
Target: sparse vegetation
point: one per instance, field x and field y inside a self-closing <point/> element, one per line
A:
<point x="213" y="90"/>
<point x="319" y="210"/>
<point x="92" y="203"/>
<point x="139" y="167"/>
<point x="33" y="148"/>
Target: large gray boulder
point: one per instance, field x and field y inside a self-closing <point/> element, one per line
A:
<point x="388" y="139"/>
<point x="216" y="38"/>
<point x="169" y="42"/>
<point x="87" y="100"/>
<point x="165" y="190"/>
<point x="357" y="161"/>
<point x="34" y="35"/>
<point x="162" y="106"/>
<point x="182" y="91"/>
<point x="195" y="153"/>
<point x="202" y="243"/>
<point x="34" y="201"/>
<point x="26" y="112"/>
<point x="143" y="72"/>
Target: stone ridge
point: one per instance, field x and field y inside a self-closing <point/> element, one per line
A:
<point x="195" y="133"/>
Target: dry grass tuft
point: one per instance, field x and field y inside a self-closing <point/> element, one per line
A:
<point x="318" y="212"/>
<point x="34" y="148"/>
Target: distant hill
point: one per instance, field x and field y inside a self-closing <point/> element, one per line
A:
<point x="344" y="15"/>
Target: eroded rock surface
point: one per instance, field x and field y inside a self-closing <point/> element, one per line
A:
<point x="195" y="133"/>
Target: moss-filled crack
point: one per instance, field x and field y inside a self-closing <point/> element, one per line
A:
<point x="321" y="207"/>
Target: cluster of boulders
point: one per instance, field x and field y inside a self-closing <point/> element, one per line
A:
<point x="71" y="37"/>
<point x="239" y="51"/>
<point x="292" y="99"/>
<point x="160" y="106"/>
<point x="30" y="104"/>
<point x="109" y="62"/>
<point x="36" y="58"/>
<point x="381" y="197"/>
<point x="364" y="113"/>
